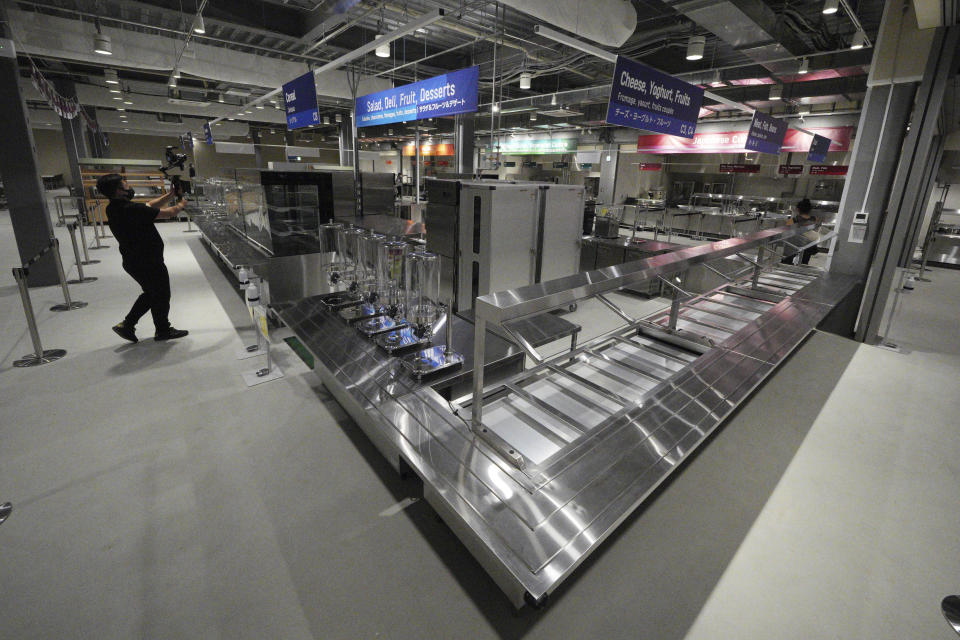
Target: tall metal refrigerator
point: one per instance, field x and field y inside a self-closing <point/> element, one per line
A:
<point x="495" y="235"/>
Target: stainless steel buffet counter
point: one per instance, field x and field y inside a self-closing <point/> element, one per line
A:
<point x="341" y="347"/>
<point x="536" y="468"/>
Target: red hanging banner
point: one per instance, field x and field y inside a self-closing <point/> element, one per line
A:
<point x="735" y="141"/>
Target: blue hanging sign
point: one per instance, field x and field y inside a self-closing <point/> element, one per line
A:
<point x="300" y="100"/>
<point x="644" y="98"/>
<point x="446" y="95"/>
<point x="207" y="133"/>
<point x="818" y="149"/>
<point x="766" y="133"/>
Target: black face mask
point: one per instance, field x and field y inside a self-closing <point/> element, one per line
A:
<point x="125" y="194"/>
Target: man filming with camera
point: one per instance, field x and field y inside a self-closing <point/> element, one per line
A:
<point x="141" y="247"/>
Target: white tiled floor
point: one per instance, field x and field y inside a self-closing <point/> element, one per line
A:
<point x="156" y="496"/>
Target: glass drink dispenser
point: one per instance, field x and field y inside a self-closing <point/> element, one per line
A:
<point x="369" y="290"/>
<point x="391" y="257"/>
<point x="369" y="254"/>
<point x="350" y="245"/>
<point x="422" y="288"/>
<point x="331" y="261"/>
<point x="390" y="283"/>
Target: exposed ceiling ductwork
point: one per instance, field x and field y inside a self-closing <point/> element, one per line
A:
<point x="607" y="22"/>
<point x="153" y="97"/>
<point x="64" y="39"/>
<point x="749" y="26"/>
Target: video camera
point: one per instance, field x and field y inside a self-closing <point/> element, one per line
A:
<point x="174" y="159"/>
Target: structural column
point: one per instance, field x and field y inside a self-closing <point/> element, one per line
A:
<point x="608" y="173"/>
<point x="895" y="245"/>
<point x="29" y="214"/>
<point x="890" y="158"/>
<point x="257" y="150"/>
<point x="73" y="135"/>
<point x="464" y="127"/>
<point x="95" y="142"/>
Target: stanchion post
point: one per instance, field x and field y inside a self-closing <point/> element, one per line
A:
<point x="96" y="235"/>
<point x="103" y="228"/>
<point x="39" y="356"/>
<point x="190" y="228"/>
<point x="98" y="224"/>
<point x="83" y="240"/>
<point x="80" y="279"/>
<point x="68" y="303"/>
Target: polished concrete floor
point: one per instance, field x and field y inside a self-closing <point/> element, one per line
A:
<point x="157" y="496"/>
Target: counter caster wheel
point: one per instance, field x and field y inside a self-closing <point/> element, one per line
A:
<point x="572" y="307"/>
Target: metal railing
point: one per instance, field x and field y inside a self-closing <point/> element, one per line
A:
<point x="502" y="307"/>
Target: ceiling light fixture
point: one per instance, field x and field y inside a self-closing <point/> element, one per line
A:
<point x="776" y="91"/>
<point x="115" y="91"/>
<point x="859" y="40"/>
<point x="339" y="117"/>
<point x="110" y="76"/>
<point x="533" y="117"/>
<point x="127" y="102"/>
<point x="695" y="47"/>
<point x="495" y="108"/>
<point x="259" y="106"/>
<point x="198" y="27"/>
<point x="525" y="80"/>
<point x="804" y="67"/>
<point x="172" y="82"/>
<point x="101" y="41"/>
<point x="326" y="119"/>
<point x="383" y="51"/>
<point x="831" y="6"/>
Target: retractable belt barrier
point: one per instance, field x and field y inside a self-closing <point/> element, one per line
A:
<point x="39" y="355"/>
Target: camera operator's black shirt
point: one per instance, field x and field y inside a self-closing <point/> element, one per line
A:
<point x="132" y="226"/>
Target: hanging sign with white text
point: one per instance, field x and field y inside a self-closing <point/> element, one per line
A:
<point x="446" y="95"/>
<point x="300" y="102"/>
<point x="644" y="98"/>
<point x="766" y="133"/>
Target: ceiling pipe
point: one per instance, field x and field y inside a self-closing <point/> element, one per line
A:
<point x="499" y="38"/>
<point x="428" y="19"/>
<point x="176" y="32"/>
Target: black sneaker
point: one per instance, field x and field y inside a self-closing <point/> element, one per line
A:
<point x="125" y="332"/>
<point x="170" y="334"/>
